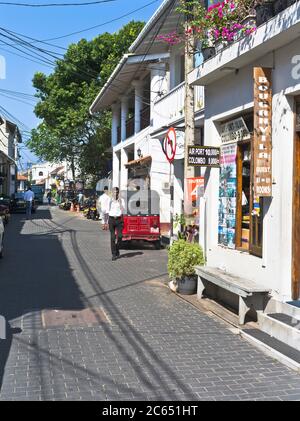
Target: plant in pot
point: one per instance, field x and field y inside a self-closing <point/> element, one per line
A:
<point x="264" y="11"/>
<point x="183" y="257"/>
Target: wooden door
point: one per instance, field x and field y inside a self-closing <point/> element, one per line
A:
<point x="296" y="211"/>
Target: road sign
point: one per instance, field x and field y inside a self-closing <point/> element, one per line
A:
<point x="204" y="156"/>
<point x="170" y="145"/>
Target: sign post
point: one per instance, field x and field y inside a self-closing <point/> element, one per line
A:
<point x="170" y="148"/>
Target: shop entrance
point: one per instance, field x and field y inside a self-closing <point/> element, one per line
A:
<point x="249" y="223"/>
<point x="296" y="210"/>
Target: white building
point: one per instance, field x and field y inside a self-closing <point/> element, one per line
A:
<point x="47" y="173"/>
<point x="257" y="238"/>
<point x="146" y="96"/>
<point x="9" y="139"/>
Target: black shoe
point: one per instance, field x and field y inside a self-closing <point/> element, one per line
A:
<point x="118" y="254"/>
<point x="114" y="258"/>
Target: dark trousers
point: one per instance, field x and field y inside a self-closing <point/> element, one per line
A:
<point x="116" y="229"/>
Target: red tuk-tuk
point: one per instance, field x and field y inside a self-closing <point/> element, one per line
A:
<point x="142" y="219"/>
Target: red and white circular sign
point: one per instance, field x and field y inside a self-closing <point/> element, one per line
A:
<point x="170" y="145"/>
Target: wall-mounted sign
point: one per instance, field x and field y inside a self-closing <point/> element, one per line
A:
<point x="234" y="131"/>
<point x="170" y="145"/>
<point x="204" y="156"/>
<point x="262" y="132"/>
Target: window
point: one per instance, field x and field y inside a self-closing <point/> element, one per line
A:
<point x="249" y="224"/>
<point x="41" y="174"/>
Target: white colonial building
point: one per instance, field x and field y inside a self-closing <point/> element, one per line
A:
<point x="146" y="95"/>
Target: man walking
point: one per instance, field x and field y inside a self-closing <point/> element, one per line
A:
<point x="116" y="212"/>
<point x="103" y="208"/>
<point x="28" y="197"/>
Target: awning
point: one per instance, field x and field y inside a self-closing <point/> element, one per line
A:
<point x="139" y="162"/>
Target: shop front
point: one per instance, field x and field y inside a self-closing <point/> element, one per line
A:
<point x="252" y="201"/>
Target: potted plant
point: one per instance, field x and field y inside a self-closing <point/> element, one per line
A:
<point x="279" y="6"/>
<point x="264" y="11"/>
<point x="183" y="257"/>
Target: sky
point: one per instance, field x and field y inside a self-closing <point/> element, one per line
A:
<point x="44" y="23"/>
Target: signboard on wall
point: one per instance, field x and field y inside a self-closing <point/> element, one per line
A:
<point x="227" y="196"/>
<point x="234" y="130"/>
<point x="204" y="156"/>
<point x="262" y="144"/>
<point x="193" y="192"/>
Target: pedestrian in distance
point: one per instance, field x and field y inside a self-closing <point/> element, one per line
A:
<point x="29" y="198"/>
<point x="80" y="199"/>
<point x="103" y="208"/>
<point x="116" y="223"/>
<point x="49" y="197"/>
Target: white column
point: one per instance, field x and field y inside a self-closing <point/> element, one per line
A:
<point x="138" y="104"/>
<point x="115" y="123"/>
<point x="124" y="115"/>
<point x="124" y="171"/>
<point x="116" y="168"/>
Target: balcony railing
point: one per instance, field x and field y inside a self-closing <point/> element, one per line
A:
<point x="170" y="107"/>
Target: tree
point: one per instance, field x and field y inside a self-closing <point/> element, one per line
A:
<point x="68" y="131"/>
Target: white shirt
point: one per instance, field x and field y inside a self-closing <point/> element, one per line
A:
<point x="104" y="202"/>
<point x="116" y="207"/>
<point x="29" y="196"/>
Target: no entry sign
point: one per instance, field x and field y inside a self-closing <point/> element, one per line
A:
<point x="170" y="145"/>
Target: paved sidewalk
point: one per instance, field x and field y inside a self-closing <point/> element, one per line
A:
<point x="85" y="328"/>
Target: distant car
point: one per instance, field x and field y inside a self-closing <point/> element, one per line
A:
<point x="18" y="203"/>
<point x="1" y="237"/>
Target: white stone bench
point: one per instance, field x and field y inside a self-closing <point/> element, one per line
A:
<point x="251" y="295"/>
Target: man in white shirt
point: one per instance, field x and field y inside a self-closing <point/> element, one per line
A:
<point x="116" y="224"/>
<point x="104" y="203"/>
<point x="29" y="198"/>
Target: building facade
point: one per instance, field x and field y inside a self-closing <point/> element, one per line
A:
<point x="146" y="94"/>
<point x="252" y="112"/>
<point x="9" y="139"/>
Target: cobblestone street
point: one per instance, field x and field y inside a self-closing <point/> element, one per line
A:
<point x="126" y="336"/>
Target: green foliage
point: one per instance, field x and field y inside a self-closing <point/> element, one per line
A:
<point x="68" y="131"/>
<point x="183" y="257"/>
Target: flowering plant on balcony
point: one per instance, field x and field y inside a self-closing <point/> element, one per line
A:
<point x="221" y="22"/>
<point x="224" y="21"/>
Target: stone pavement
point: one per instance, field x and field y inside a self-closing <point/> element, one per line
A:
<point x="82" y="327"/>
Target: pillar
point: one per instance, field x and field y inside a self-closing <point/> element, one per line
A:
<point x="124" y="115"/>
<point x="138" y="104"/>
<point x="115" y="123"/>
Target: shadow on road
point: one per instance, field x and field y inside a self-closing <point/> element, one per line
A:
<point x="35" y="274"/>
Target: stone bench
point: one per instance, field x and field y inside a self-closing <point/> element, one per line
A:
<point x="251" y="295"/>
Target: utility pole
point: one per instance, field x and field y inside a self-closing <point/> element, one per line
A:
<point x="189" y="102"/>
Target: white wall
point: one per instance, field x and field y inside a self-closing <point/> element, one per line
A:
<point x="224" y="99"/>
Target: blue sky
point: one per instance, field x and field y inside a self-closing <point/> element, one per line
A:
<point x="46" y="23"/>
